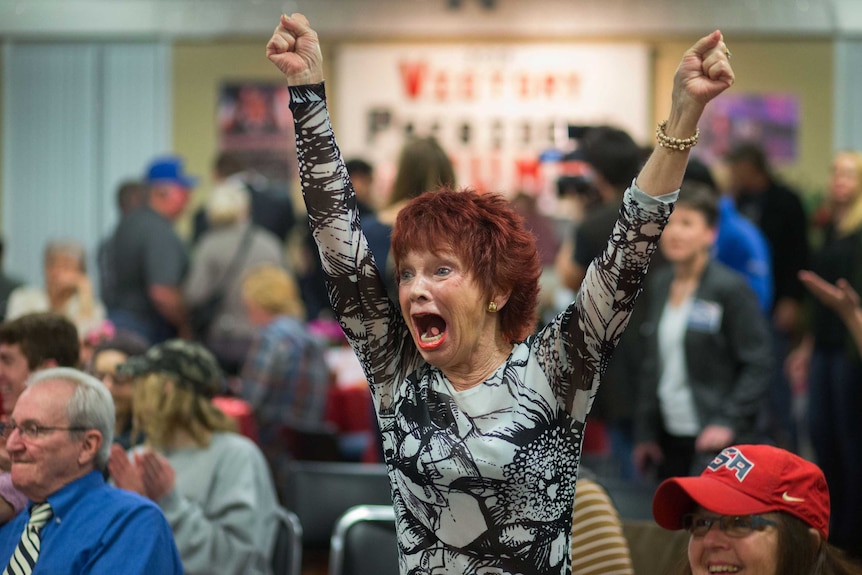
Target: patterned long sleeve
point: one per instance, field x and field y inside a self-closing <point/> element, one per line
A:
<point x="357" y="293"/>
<point x="579" y="343"/>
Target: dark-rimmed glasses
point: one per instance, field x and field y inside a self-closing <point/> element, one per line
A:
<point x="732" y="525"/>
<point x="32" y="430"/>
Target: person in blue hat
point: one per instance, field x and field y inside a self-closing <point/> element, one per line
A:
<point x="149" y="260"/>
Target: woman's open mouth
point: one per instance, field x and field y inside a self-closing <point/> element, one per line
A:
<point x="431" y="329"/>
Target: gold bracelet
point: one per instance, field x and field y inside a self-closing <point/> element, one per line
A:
<point x="672" y="143"/>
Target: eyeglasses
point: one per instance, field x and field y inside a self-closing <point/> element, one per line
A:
<point x="31" y="430"/>
<point x="731" y="525"/>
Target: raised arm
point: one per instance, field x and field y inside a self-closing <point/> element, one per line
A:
<point x="592" y="326"/>
<point x="372" y="324"/>
<point x="703" y="73"/>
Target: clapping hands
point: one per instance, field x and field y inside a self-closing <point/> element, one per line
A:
<point x="147" y="473"/>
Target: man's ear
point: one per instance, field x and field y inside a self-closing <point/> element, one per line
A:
<point x="90" y="448"/>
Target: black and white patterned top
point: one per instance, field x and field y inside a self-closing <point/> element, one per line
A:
<point x="483" y="480"/>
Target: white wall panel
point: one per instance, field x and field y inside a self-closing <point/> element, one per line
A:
<point x="78" y="118"/>
<point x="847" y="120"/>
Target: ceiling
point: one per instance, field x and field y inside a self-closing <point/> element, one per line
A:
<point x="427" y="19"/>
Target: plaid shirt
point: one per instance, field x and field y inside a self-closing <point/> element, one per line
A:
<point x="285" y="377"/>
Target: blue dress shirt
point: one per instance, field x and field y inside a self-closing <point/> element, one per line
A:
<point x="98" y="528"/>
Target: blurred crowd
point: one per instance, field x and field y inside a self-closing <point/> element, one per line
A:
<point x="222" y="349"/>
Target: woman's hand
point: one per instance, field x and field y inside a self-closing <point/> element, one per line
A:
<point x="157" y="474"/>
<point x="646" y="455"/>
<point x="703" y="73"/>
<point x="295" y="50"/>
<point x="840" y="297"/>
<point x="125" y="473"/>
<point x="714" y="438"/>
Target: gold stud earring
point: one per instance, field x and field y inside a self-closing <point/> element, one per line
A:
<point x="492" y="307"/>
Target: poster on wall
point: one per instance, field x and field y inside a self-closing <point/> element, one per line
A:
<point x="771" y="120"/>
<point x="255" y="123"/>
<point x="494" y="108"/>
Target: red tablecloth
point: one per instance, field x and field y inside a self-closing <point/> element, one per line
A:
<point x="240" y="411"/>
<point x="349" y="408"/>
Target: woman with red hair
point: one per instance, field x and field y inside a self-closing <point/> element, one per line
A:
<point x="482" y="419"/>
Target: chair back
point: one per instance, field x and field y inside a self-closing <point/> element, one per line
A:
<point x="654" y="550"/>
<point x="320" y="492"/>
<point x="632" y="500"/>
<point x="287" y="553"/>
<point x="364" y="542"/>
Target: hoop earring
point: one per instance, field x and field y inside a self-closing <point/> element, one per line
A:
<point x="492" y="307"/>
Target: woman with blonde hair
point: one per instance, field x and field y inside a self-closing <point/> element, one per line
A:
<point x="212" y="484"/>
<point x="285" y="376"/>
<point x="829" y="356"/>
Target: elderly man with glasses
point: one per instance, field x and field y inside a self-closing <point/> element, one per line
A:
<point x="59" y="439"/>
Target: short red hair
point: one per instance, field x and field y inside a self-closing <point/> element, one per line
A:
<point x="488" y="236"/>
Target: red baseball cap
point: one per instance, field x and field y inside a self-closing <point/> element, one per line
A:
<point x="746" y="480"/>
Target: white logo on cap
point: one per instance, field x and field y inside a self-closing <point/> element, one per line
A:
<point x="734" y="460"/>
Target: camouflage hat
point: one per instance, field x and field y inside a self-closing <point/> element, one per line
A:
<point x="189" y="364"/>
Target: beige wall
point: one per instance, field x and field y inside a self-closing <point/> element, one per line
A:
<point x="1" y="139"/>
<point x="198" y="71"/>
<point x="803" y="67"/>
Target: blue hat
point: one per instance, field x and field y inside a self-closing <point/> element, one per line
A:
<point x="170" y="169"/>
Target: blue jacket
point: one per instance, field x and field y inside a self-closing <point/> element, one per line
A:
<point x="743" y="248"/>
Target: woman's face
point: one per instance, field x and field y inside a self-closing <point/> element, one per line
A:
<point x="62" y="272"/>
<point x="717" y="552"/>
<point x="122" y="389"/>
<point x="844" y="180"/>
<point x="446" y="312"/>
<point x="686" y="236"/>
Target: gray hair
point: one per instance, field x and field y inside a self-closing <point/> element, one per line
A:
<point x="67" y="247"/>
<point x="90" y="407"/>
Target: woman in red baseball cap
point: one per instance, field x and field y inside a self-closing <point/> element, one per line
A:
<point x="755" y="509"/>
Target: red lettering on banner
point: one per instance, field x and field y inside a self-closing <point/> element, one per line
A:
<point x="468" y="85"/>
<point x="476" y="174"/>
<point x="550" y="85"/>
<point x="412" y="78"/>
<point x="573" y="82"/>
<point x="496" y="84"/>
<point x="441" y="86"/>
<point x="527" y="177"/>
<point x="419" y="80"/>
<point x="524" y="86"/>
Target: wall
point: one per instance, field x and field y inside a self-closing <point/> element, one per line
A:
<point x="803" y="67"/>
<point x="770" y="65"/>
<point x="1" y="135"/>
<point x="199" y="68"/>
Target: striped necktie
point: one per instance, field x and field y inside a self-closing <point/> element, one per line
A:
<point x="27" y="552"/>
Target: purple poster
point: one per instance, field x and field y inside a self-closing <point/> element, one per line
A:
<point x="772" y="120"/>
